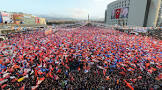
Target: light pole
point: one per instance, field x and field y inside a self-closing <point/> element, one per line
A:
<point x="88" y="18"/>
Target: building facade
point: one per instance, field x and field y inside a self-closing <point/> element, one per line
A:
<point x="143" y="13"/>
<point x="159" y="23"/>
<point x="20" y="18"/>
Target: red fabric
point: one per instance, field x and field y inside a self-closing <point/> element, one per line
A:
<point x="3" y="86"/>
<point x="59" y="71"/>
<point x="117" y="13"/>
<point x="50" y="74"/>
<point x="104" y="72"/>
<point x="123" y="73"/>
<point x="22" y="88"/>
<point x="128" y="85"/>
<point x="36" y="72"/>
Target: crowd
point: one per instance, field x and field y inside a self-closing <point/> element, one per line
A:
<point x="82" y="58"/>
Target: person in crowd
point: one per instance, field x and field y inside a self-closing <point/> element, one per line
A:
<point x="82" y="58"/>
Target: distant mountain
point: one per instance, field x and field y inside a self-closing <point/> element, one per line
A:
<point x="68" y="18"/>
<point x="57" y="18"/>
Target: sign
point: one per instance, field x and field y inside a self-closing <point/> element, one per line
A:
<point x="113" y="14"/>
<point x="120" y="13"/>
<point x="124" y="12"/>
<point x="1" y="18"/>
<point x="6" y="17"/>
<point x="37" y="20"/>
<point x="117" y="13"/>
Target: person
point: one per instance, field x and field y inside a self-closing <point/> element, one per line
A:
<point x="82" y="58"/>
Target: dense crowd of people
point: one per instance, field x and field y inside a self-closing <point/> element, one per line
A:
<point x="82" y="58"/>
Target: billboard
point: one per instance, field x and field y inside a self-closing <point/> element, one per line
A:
<point x="6" y="17"/>
<point x="18" y="18"/>
<point x="120" y="13"/>
<point x="1" y="18"/>
<point x="117" y="13"/>
<point x="37" y="20"/>
<point x="42" y="21"/>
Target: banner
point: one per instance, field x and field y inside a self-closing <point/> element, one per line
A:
<point x="117" y="13"/>
<point x="1" y="18"/>
<point x="124" y="12"/>
<point x="37" y="20"/>
<point x="6" y="17"/>
<point x="18" y="18"/>
<point x="113" y="14"/>
<point x="120" y="13"/>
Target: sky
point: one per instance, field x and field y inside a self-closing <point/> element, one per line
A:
<point x="58" y="8"/>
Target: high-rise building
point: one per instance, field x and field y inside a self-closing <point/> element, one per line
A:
<point x="144" y="13"/>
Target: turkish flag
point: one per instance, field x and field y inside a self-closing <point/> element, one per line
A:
<point x="117" y="13"/>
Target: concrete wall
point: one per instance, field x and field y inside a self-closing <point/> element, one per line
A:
<point x="109" y="21"/>
<point x="137" y="12"/>
<point x="153" y="13"/>
<point x="141" y="12"/>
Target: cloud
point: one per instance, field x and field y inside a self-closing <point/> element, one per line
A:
<point x="79" y="13"/>
<point x="103" y="1"/>
<point x="100" y="0"/>
<point x="100" y="7"/>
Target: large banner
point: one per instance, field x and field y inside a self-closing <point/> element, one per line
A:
<point x="120" y="13"/>
<point x="6" y="17"/>
<point x="117" y="13"/>
<point x="1" y="18"/>
<point x="18" y="18"/>
<point x="124" y="12"/>
<point x="113" y="14"/>
<point x="37" y="21"/>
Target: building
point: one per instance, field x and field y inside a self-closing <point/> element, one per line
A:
<point x="6" y="18"/>
<point x="42" y="21"/>
<point x="159" y="23"/>
<point x="20" y="18"/>
<point x="143" y="13"/>
<point x="28" y="19"/>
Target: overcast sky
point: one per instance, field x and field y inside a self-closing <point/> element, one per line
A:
<point x="58" y="8"/>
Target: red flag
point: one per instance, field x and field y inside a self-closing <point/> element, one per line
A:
<point x="3" y="86"/>
<point x="36" y="72"/>
<point x="42" y="79"/>
<point x="104" y="72"/>
<point x="117" y="13"/>
<point x="59" y="70"/>
<point x="79" y="69"/>
<point x="67" y="67"/>
<point x="23" y="87"/>
<point x="50" y="74"/>
<point x="107" y="78"/>
<point x="159" y="77"/>
<point x="72" y="78"/>
<point x="123" y="73"/>
<point x="128" y="85"/>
